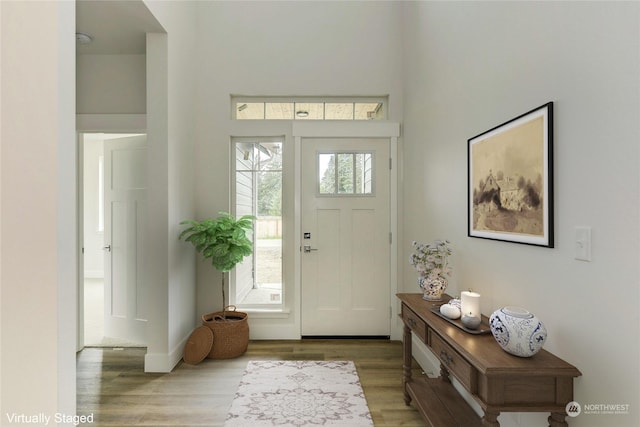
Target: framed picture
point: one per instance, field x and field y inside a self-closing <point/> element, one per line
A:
<point x="510" y="180"/>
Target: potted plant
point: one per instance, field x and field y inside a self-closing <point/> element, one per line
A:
<point x="223" y="241"/>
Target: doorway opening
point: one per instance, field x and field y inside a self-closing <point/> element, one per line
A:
<point x="95" y="297"/>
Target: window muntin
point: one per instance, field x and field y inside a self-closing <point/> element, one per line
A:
<point x="345" y="173"/>
<point x="297" y="108"/>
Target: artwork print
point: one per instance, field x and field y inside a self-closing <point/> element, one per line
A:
<point x="510" y="180"/>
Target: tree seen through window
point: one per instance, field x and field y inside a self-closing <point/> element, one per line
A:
<point x="345" y="173"/>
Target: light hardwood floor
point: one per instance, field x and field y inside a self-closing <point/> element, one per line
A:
<point x="111" y="383"/>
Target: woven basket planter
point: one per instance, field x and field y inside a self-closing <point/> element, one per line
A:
<point x="230" y="333"/>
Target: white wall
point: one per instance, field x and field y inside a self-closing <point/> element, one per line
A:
<point x="117" y="89"/>
<point x="282" y="48"/>
<point x="38" y="235"/>
<point x="170" y="118"/>
<point x="471" y="66"/>
<point x="111" y="84"/>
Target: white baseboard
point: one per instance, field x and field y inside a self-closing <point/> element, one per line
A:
<point x="164" y="362"/>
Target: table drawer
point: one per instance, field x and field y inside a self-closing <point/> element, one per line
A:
<point x="455" y="364"/>
<point x="414" y="322"/>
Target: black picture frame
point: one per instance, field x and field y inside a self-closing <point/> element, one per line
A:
<point x="510" y="180"/>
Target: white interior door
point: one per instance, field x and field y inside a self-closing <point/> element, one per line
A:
<point x="345" y="237"/>
<point x="125" y="183"/>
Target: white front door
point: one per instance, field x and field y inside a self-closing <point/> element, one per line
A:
<point x="345" y="237"/>
<point x="125" y="183"/>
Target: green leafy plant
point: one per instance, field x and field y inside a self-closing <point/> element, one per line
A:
<point x="223" y="240"/>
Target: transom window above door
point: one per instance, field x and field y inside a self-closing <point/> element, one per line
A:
<point x="305" y="108"/>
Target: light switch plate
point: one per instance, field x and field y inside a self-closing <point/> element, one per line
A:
<point x="583" y="243"/>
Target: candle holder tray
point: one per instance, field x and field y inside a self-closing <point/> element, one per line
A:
<point x="482" y="329"/>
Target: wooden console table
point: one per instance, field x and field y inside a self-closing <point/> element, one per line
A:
<point x="497" y="380"/>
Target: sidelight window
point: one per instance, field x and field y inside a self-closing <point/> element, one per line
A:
<point x="258" y="192"/>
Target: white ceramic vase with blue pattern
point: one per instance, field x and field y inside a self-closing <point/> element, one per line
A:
<point x="518" y="331"/>
<point x="433" y="286"/>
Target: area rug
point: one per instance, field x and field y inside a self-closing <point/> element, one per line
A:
<point x="299" y="393"/>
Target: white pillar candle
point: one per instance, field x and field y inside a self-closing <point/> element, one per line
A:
<point x="470" y="302"/>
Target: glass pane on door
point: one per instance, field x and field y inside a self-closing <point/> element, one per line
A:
<point x="345" y="173"/>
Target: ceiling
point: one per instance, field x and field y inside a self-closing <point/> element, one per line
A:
<point x="116" y="26"/>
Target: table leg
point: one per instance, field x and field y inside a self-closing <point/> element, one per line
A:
<point x="490" y="419"/>
<point x="406" y="363"/>
<point x="557" y="419"/>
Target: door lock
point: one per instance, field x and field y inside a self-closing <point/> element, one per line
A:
<point x="308" y="248"/>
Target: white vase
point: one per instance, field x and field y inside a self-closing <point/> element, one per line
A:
<point x="517" y="331"/>
<point x="433" y="286"/>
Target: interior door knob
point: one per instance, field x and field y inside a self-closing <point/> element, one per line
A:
<point x="308" y="248"/>
<point x="107" y="248"/>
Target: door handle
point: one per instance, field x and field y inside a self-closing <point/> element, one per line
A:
<point x="107" y="248"/>
<point x="308" y="248"/>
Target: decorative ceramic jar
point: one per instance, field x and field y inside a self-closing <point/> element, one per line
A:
<point x="517" y="331"/>
<point x="433" y="286"/>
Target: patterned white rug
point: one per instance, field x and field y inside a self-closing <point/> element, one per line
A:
<point x="299" y="393"/>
